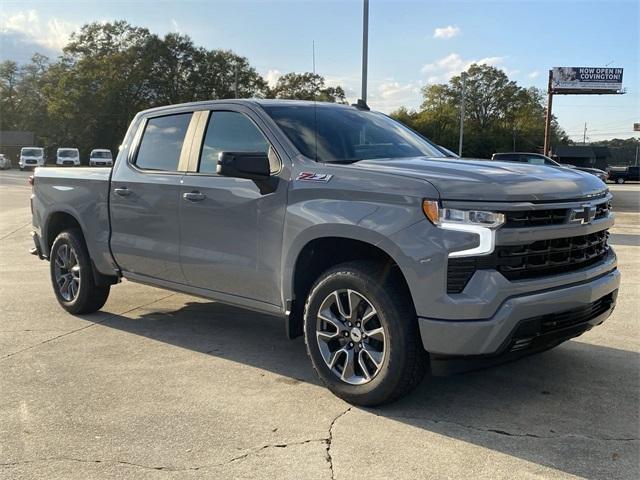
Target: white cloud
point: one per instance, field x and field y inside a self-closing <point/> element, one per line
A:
<point x="534" y="74"/>
<point x="272" y="77"/>
<point x="52" y="34"/>
<point x="449" y="31"/>
<point x="175" y="26"/>
<point x="389" y="95"/>
<point x="445" y="68"/>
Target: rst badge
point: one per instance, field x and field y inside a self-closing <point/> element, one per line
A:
<point x="313" y="177"/>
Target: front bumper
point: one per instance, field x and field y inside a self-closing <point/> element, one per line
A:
<point x="499" y="334"/>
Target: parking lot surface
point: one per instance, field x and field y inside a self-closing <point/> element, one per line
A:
<point x="164" y="385"/>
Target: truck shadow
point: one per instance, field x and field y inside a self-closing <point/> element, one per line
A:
<point x="574" y="408"/>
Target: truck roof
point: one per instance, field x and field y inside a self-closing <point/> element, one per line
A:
<point x="244" y="101"/>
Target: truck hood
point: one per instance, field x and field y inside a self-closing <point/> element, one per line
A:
<point x="482" y="180"/>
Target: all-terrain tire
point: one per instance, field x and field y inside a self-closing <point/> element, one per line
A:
<point x="88" y="297"/>
<point x="405" y="361"/>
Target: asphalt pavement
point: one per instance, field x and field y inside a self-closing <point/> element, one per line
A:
<point x="164" y="385"/>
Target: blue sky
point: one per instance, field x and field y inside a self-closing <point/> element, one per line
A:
<point x="411" y="43"/>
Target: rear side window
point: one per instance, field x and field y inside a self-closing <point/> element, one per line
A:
<point x="229" y="132"/>
<point x="161" y="142"/>
<point x="508" y="157"/>
<point x="535" y="160"/>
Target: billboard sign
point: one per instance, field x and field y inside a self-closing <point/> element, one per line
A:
<point x="586" y="80"/>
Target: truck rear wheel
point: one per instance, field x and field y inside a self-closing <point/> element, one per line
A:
<point x="362" y="335"/>
<point x="72" y="275"/>
<point x="620" y="180"/>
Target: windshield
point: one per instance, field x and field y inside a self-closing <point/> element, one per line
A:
<point x="100" y="154"/>
<point x="347" y="134"/>
<point x="67" y="153"/>
<point x="32" y="152"/>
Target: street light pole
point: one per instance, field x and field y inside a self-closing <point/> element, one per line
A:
<point x="462" y="102"/>
<point x="365" y="52"/>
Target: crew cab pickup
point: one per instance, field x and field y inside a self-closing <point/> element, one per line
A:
<point x="388" y="258"/>
<point x="629" y="174"/>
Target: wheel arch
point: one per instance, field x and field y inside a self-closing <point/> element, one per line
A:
<point x="60" y="221"/>
<point x="56" y="223"/>
<point x="315" y="253"/>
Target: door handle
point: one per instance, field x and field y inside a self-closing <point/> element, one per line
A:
<point x="122" y="191"/>
<point x="194" y="196"/>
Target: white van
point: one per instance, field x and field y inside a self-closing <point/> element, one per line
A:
<point x="68" y="156"/>
<point x="31" y="157"/>
<point x="100" y="157"/>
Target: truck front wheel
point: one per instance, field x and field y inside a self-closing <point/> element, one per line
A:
<point x="620" y="180"/>
<point x="362" y="336"/>
<point x="72" y="275"/>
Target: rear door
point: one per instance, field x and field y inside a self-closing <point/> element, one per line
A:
<point x="232" y="228"/>
<point x="145" y="191"/>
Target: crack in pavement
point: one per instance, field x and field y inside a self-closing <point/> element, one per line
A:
<point x="92" y="324"/>
<point x="498" y="431"/>
<point x="165" y="467"/>
<point x="14" y="231"/>
<point x="326" y="441"/>
<point x="329" y="439"/>
<point x="82" y="460"/>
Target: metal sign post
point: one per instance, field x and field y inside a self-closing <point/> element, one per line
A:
<point x="547" y="118"/>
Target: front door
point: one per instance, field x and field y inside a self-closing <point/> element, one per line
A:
<point x="232" y="228"/>
<point x="144" y="198"/>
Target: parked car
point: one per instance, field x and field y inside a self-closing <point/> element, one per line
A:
<point x="539" y="159"/>
<point x="68" y="156"/>
<point x="630" y="174"/>
<point x="31" y="157"/>
<point x="5" y="163"/>
<point x="390" y="260"/>
<point x="100" y="157"/>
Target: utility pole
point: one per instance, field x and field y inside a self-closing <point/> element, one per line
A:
<point x="584" y="135"/>
<point x="365" y="52"/>
<point x="236" y="80"/>
<point x="547" y="120"/>
<point x="462" y="101"/>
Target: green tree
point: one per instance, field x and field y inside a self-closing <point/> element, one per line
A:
<point x="306" y="86"/>
<point x="499" y="115"/>
<point x="110" y="71"/>
<point x="9" y="78"/>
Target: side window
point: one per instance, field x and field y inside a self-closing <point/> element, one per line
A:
<point x="536" y="160"/>
<point x="161" y="142"/>
<point x="229" y="132"/>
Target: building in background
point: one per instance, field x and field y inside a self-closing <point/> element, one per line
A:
<point x="12" y="141"/>
<point x="582" y="155"/>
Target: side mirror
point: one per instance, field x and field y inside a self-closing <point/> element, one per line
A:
<point x="250" y="165"/>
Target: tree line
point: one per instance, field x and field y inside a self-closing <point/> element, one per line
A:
<point x="110" y="71"/>
<point x="500" y="116"/>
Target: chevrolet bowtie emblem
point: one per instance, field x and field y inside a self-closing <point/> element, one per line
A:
<point x="583" y="214"/>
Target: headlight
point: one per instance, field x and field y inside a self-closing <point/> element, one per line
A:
<point x="479" y="222"/>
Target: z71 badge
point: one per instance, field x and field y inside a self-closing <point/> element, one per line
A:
<point x="313" y="177"/>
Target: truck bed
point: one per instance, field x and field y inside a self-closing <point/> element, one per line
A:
<point x="82" y="192"/>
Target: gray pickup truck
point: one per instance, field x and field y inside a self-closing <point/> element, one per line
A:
<point x="389" y="259"/>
